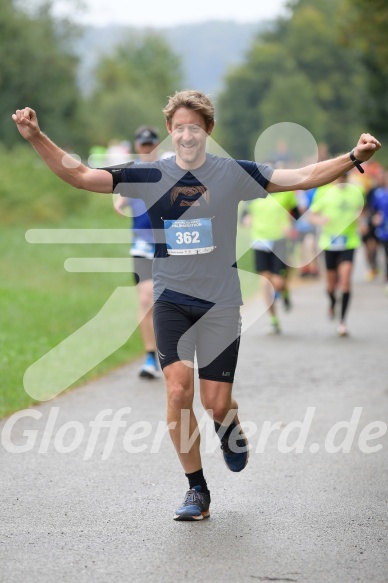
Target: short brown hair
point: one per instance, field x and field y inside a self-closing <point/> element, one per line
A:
<point x="190" y="99"/>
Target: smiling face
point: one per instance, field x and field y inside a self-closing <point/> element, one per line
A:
<point x="188" y="131"/>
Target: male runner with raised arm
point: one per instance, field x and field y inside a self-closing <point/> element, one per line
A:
<point x="192" y="201"/>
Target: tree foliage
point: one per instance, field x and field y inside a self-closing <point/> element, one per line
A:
<point x="367" y="25"/>
<point x="40" y="70"/>
<point x="299" y="72"/>
<point x="132" y="85"/>
<point x="37" y="69"/>
<point x="367" y="28"/>
<point x="324" y="66"/>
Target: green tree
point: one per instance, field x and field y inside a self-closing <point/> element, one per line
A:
<point x="38" y="70"/>
<point x="366" y="28"/>
<point x="313" y="37"/>
<point x="132" y="85"/>
<point x="298" y="72"/>
<point x="240" y="118"/>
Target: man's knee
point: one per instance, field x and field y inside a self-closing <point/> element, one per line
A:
<point x="218" y="408"/>
<point x="179" y="396"/>
<point x="179" y="385"/>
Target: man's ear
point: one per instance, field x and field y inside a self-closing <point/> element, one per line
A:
<point x="210" y="128"/>
<point x="168" y="127"/>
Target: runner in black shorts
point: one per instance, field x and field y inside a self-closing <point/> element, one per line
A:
<point x="339" y="268"/>
<point x="336" y="208"/>
<point x="142" y="250"/>
<point x="270" y="222"/>
<point x="192" y="200"/>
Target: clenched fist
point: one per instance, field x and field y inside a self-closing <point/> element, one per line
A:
<point x="367" y="145"/>
<point x="27" y="123"/>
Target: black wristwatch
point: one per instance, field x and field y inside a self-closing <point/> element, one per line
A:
<point x="356" y="162"/>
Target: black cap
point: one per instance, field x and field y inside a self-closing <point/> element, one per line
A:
<point x="146" y="135"/>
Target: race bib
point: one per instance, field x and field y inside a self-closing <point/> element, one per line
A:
<point x="338" y="243"/>
<point x="189" y="237"/>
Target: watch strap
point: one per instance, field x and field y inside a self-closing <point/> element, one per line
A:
<point x="356" y="162"/>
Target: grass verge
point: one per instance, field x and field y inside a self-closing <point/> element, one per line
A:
<point x="41" y="304"/>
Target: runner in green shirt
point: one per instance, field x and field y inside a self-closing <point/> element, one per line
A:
<point x="271" y="222"/>
<point x="336" y="208"/>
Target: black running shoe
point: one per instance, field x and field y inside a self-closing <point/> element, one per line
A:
<point x="234" y="445"/>
<point x="195" y="506"/>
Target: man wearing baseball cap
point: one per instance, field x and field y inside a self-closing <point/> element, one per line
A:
<point x="146" y="136"/>
<point x="142" y="250"/>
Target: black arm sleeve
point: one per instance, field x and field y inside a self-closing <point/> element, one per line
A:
<point x="117" y="172"/>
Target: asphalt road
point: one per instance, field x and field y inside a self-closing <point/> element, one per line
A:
<point x="81" y="504"/>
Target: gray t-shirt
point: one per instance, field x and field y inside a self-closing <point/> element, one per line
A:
<point x="194" y="220"/>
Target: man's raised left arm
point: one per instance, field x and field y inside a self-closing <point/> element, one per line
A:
<point x="325" y="172"/>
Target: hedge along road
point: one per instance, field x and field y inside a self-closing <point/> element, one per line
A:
<point x="90" y="479"/>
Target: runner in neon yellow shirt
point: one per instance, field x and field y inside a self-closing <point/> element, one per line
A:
<point x="336" y="208"/>
<point x="270" y="221"/>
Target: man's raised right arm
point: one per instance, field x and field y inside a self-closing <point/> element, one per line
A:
<point x="61" y="163"/>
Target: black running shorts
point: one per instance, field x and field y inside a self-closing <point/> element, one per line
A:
<point x="269" y="260"/>
<point x="213" y="334"/>
<point x="334" y="258"/>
